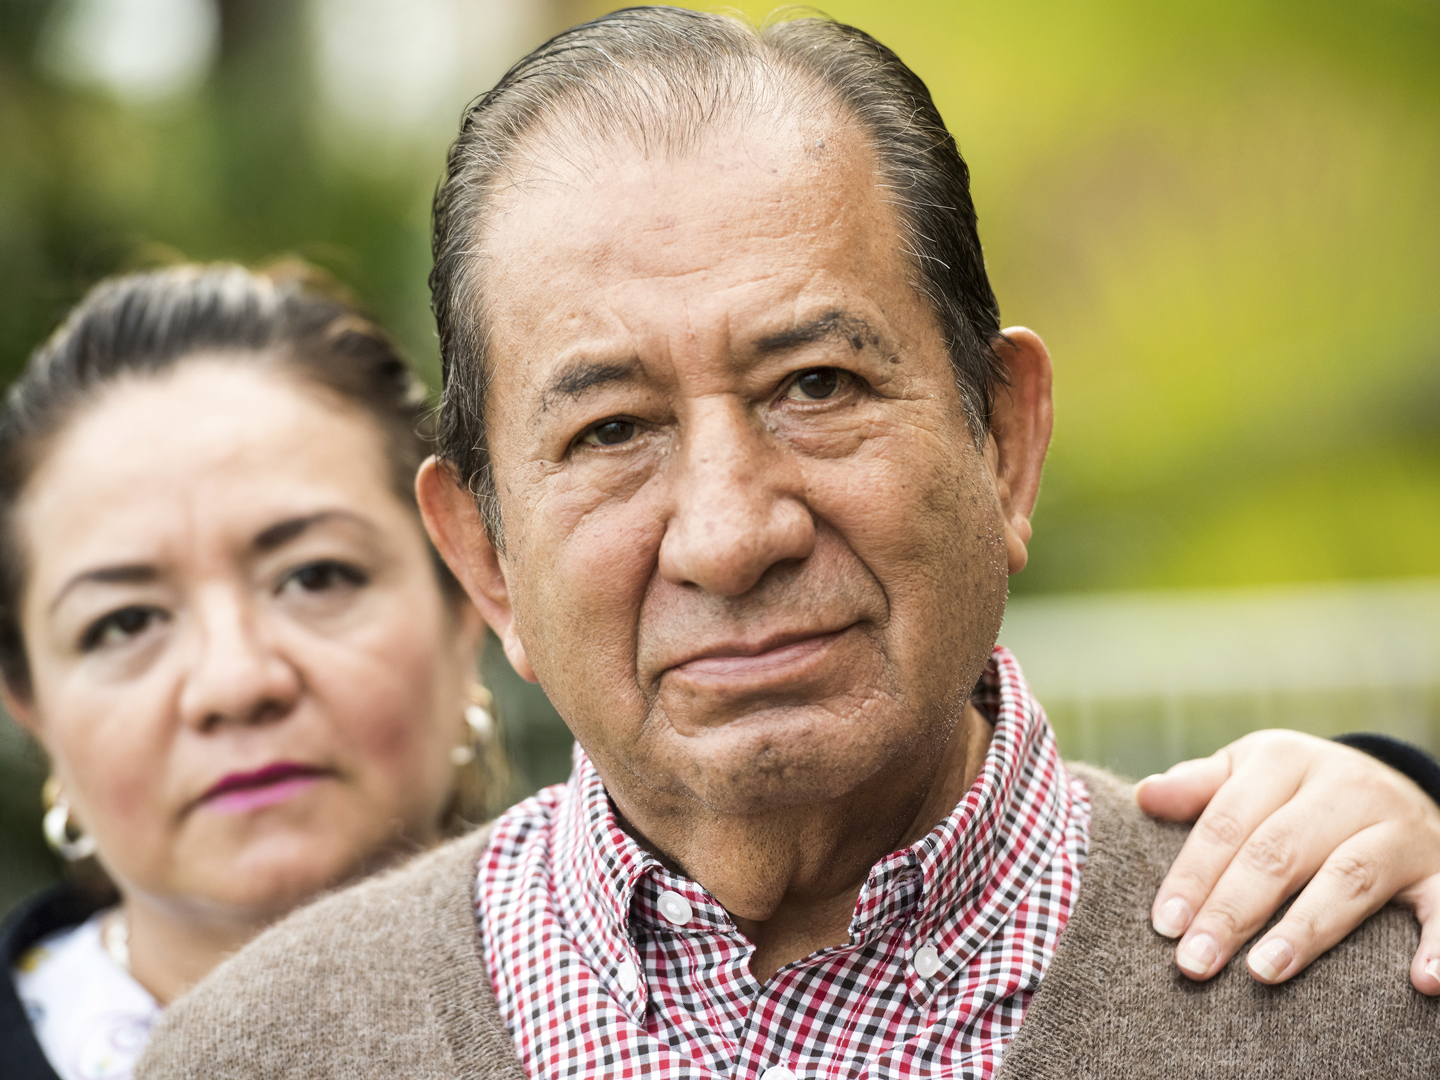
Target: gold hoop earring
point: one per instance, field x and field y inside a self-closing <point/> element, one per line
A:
<point x="56" y="826"/>
<point x="480" y="723"/>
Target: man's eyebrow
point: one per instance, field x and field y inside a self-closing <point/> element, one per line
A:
<point x="282" y="532"/>
<point x="585" y="375"/>
<point x="831" y="326"/>
<point x="120" y="574"/>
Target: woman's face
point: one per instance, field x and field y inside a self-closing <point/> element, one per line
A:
<point x="243" y="667"/>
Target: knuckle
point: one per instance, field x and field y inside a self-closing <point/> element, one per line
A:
<point x="1301" y="925"/>
<point x="1220" y="828"/>
<point x="1227" y="920"/>
<point x="1269" y="854"/>
<point x="1277" y="743"/>
<point x="1355" y="878"/>
<point x="1424" y="897"/>
<point x="1189" y="881"/>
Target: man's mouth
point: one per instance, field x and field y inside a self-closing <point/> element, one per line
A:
<point x="773" y="657"/>
<point x="238" y="792"/>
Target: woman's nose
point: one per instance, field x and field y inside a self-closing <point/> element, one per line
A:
<point x="237" y="674"/>
<point x="738" y="508"/>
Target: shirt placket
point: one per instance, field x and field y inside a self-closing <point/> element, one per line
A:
<point x="698" y="960"/>
<point x="783" y="1028"/>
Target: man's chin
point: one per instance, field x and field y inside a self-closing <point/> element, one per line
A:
<point x="772" y="763"/>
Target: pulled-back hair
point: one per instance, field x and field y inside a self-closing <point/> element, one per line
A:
<point x="288" y="319"/>
<point x="659" y="78"/>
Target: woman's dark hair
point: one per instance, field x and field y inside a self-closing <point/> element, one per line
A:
<point x="289" y="318"/>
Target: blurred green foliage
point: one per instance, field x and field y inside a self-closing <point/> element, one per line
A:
<point x="1221" y="216"/>
<point x="241" y="169"/>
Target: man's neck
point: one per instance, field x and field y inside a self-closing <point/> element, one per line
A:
<point x="790" y="881"/>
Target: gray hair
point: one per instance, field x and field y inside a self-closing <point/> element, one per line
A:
<point x="659" y="78"/>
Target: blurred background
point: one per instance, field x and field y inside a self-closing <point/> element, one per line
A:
<point x="1223" y="217"/>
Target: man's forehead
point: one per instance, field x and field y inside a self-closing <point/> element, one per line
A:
<point x="728" y="230"/>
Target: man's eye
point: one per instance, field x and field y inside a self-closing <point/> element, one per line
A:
<point x="609" y="433"/>
<point x="321" y="576"/>
<point x="817" y="384"/>
<point x="119" y="626"/>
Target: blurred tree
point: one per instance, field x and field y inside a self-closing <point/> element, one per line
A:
<point x="90" y="185"/>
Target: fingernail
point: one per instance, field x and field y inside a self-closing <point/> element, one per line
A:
<point x="1432" y="968"/>
<point x="1269" y="959"/>
<point x="1197" y="954"/>
<point x="1173" y="918"/>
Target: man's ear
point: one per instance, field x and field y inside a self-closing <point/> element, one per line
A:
<point x="452" y="519"/>
<point x="1020" y="434"/>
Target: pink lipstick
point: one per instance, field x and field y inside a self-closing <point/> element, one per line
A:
<point x="237" y="793"/>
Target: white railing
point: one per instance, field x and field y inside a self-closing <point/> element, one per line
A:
<point x="1138" y="681"/>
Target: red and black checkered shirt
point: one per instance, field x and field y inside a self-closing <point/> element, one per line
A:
<point x="607" y="964"/>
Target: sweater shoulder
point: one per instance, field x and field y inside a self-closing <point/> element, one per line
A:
<point x="1114" y="1003"/>
<point x="378" y="979"/>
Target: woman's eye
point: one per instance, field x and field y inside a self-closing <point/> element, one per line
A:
<point x="322" y="576"/>
<point x="817" y="384"/>
<point x="119" y="626"/>
<point x="609" y="433"/>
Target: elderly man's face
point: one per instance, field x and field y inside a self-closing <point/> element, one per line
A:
<point x="751" y="551"/>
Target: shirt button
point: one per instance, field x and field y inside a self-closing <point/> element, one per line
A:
<point x="777" y="1072"/>
<point x="926" y="961"/>
<point x="627" y="976"/>
<point x="675" y="908"/>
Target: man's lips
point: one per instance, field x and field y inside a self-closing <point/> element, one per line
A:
<point x="772" y="655"/>
<point x="241" y="791"/>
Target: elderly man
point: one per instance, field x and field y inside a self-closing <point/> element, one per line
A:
<point x="737" y="462"/>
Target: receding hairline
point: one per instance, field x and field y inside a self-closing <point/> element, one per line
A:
<point x="545" y="142"/>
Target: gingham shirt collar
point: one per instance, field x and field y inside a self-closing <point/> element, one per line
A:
<point x="598" y="972"/>
<point x="955" y="886"/>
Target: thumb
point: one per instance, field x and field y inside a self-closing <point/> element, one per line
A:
<point x="1425" y="968"/>
<point x="1183" y="790"/>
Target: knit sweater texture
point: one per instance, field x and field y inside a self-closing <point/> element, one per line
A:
<point x="386" y="980"/>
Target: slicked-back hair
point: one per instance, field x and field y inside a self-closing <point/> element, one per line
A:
<point x="658" y="79"/>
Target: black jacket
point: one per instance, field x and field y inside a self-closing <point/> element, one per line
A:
<point x="54" y="909"/>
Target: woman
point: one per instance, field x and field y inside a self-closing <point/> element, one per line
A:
<point x="222" y="619"/>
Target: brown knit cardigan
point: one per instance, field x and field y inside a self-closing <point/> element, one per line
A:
<point x="387" y="980"/>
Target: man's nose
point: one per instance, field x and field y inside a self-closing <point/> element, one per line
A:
<point x="738" y="505"/>
<point x="237" y="675"/>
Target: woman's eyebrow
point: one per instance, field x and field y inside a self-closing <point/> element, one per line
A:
<point x="123" y="574"/>
<point x="282" y="532"/>
<point x="270" y="538"/>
